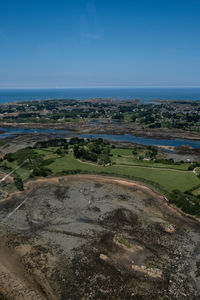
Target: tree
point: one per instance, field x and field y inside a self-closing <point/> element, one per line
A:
<point x="118" y="116"/>
<point x="19" y="183"/>
<point x="104" y="159"/>
<point x="9" y="157"/>
<point x="65" y="146"/>
<point x="58" y="151"/>
<point x="134" y="152"/>
<point x="41" y="171"/>
<point x="133" y="118"/>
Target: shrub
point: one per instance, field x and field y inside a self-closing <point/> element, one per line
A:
<point x="41" y="171"/>
<point x="19" y="183"/>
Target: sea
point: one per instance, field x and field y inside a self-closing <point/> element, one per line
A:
<point x="143" y="94"/>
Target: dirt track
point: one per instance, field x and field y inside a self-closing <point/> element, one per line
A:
<point x="60" y="244"/>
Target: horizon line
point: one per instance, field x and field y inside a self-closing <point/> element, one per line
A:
<point x="99" y="87"/>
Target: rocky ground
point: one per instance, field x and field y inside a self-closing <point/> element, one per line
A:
<point x="20" y="141"/>
<point x="92" y="237"/>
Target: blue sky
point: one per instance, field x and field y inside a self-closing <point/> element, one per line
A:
<point x="69" y="43"/>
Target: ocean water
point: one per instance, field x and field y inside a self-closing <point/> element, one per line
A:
<point x="142" y="94"/>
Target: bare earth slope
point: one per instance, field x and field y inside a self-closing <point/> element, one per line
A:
<point x="93" y="237"/>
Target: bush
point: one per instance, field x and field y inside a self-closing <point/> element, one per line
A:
<point x="58" y="151"/>
<point x="41" y="171"/>
<point x="19" y="183"/>
<point x="51" y="143"/>
<point x="80" y="152"/>
<point x="65" y="146"/>
<point x="76" y="140"/>
<point x="134" y="152"/>
<point x="9" y="157"/>
<point x="104" y="158"/>
<point x="187" y="202"/>
<point x="193" y="166"/>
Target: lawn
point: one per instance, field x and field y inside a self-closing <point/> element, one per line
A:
<point x="68" y="162"/>
<point x="169" y="179"/>
<point x="132" y="161"/>
<point x="48" y="153"/>
<point x="122" y="151"/>
<point x="23" y="173"/>
<point x="125" y="157"/>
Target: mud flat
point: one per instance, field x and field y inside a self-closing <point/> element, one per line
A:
<point x="104" y="126"/>
<point x="94" y="237"/>
<point x="20" y="141"/>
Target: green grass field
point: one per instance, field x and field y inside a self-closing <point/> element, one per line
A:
<point x="169" y="179"/>
<point x="125" y="157"/>
<point x="121" y="151"/>
<point x="167" y="176"/>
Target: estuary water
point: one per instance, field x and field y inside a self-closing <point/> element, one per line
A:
<point x="145" y="141"/>
<point x="8" y="132"/>
<point x="141" y="93"/>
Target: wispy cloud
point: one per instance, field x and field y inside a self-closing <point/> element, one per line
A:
<point x="89" y="24"/>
